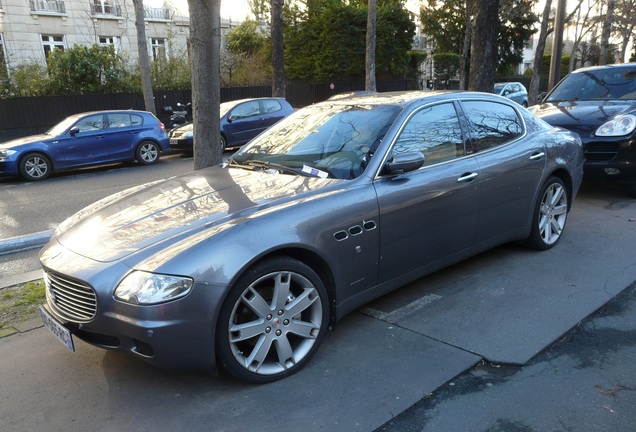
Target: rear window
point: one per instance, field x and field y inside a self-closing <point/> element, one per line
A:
<point x="491" y="123"/>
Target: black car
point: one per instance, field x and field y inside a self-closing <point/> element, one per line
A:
<point x="599" y="103"/>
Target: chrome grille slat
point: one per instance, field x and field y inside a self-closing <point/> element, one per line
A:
<point x="71" y="299"/>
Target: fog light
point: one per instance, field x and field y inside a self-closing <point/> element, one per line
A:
<point x="612" y="171"/>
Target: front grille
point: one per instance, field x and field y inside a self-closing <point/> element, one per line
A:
<point x="600" y="151"/>
<point x="71" y="299"/>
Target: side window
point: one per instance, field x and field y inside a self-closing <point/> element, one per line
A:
<point x="434" y="131"/>
<point x="270" y="106"/>
<point x="91" y="123"/>
<point x="515" y="88"/>
<point x="492" y="124"/>
<point x="119" y="121"/>
<point x="247" y="109"/>
<point x="136" y="120"/>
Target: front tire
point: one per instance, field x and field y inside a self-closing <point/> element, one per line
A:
<point x="272" y="321"/>
<point x="35" y="166"/>
<point x="550" y="215"/>
<point x="223" y="144"/>
<point x="147" y="153"/>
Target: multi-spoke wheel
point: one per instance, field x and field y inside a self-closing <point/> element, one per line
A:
<point x="147" y="153"/>
<point x="35" y="166"/>
<point x="550" y="214"/>
<point x="272" y="321"/>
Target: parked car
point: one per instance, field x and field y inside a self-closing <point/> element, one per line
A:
<point x="241" y="120"/>
<point x="599" y="104"/>
<point x="514" y="91"/>
<point x="246" y="265"/>
<point x="80" y="140"/>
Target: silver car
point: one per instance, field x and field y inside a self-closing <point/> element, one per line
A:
<point x="514" y="91"/>
<point x="246" y="265"/>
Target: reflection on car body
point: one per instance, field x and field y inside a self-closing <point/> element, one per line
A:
<point x="246" y="265"/>
<point x="599" y="104"/>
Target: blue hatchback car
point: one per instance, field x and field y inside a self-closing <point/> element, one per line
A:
<point x="241" y="120"/>
<point x="80" y="140"/>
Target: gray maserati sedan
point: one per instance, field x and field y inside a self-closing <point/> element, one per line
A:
<point x="246" y="265"/>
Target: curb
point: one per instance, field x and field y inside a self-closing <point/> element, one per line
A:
<point x="25" y="242"/>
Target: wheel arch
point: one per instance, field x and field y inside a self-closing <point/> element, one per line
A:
<point x="310" y="258"/>
<point x="565" y="177"/>
<point x="37" y="152"/>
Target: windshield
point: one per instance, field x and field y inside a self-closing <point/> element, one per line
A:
<point x="226" y="106"/>
<point x="335" y="141"/>
<point x="610" y="83"/>
<point x="61" y="127"/>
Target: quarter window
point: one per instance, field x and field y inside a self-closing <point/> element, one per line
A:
<point x="435" y="131"/>
<point x="491" y="124"/>
<point x="270" y="106"/>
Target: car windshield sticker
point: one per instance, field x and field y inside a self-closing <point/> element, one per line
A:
<point x="314" y="171"/>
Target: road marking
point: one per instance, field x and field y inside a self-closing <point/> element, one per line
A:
<point x="403" y="312"/>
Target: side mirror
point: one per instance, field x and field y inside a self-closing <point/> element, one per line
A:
<point x="230" y="118"/>
<point x="405" y="162"/>
<point x="541" y="97"/>
<point x="74" y="131"/>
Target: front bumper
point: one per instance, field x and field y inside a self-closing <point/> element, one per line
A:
<point x="177" y="335"/>
<point x="610" y="159"/>
<point x="9" y="168"/>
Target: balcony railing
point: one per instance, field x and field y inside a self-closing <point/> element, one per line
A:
<point x="47" y="6"/>
<point x="157" y="13"/>
<point x="103" y="8"/>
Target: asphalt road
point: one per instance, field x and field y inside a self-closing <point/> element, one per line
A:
<point x="484" y="345"/>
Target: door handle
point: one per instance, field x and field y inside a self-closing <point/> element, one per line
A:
<point x="467" y="177"/>
<point x="537" y="156"/>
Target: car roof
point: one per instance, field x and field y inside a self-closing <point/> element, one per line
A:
<point x="407" y="97"/>
<point x="127" y="111"/>
<point x="605" y="67"/>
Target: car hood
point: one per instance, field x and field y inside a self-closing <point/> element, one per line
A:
<point x="21" y="141"/>
<point x="583" y="117"/>
<point x="175" y="208"/>
<point x="185" y="128"/>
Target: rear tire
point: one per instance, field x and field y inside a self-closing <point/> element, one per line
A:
<point x="550" y="215"/>
<point x="223" y="143"/>
<point x="35" y="167"/>
<point x="147" y="153"/>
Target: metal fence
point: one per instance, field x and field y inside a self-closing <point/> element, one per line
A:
<point x="32" y="115"/>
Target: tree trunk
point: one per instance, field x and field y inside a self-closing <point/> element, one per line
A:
<point x="278" y="50"/>
<point x="483" y="48"/>
<point x="533" y="91"/>
<point x="607" y="31"/>
<point x="205" y="49"/>
<point x="464" y="58"/>
<point x="370" y="84"/>
<point x="144" y="62"/>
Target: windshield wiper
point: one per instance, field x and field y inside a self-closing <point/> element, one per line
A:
<point x="278" y="167"/>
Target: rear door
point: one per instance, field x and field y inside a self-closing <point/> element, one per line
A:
<point x="123" y="134"/>
<point x="429" y="215"/>
<point x="511" y="165"/>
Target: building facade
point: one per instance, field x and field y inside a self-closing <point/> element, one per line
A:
<point x="31" y="29"/>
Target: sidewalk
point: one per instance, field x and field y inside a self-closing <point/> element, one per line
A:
<point x="19" y="244"/>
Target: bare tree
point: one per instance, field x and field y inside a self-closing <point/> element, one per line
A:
<point x="205" y="54"/>
<point x="370" y="83"/>
<point x="624" y="24"/>
<point x="278" y="53"/>
<point x="533" y="91"/>
<point x="483" y="59"/>
<point x="143" y="61"/>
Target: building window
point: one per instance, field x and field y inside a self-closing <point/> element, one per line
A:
<point x="158" y="48"/>
<point x="110" y="41"/>
<point x="106" y="7"/>
<point x="49" y="43"/>
<point x="47" y="6"/>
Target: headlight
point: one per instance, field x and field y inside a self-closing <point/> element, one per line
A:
<point x="145" y="288"/>
<point x="623" y="125"/>
<point x="4" y="154"/>
<point x="188" y="134"/>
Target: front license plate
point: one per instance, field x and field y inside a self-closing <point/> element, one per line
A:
<point x="174" y="141"/>
<point x="59" y="331"/>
